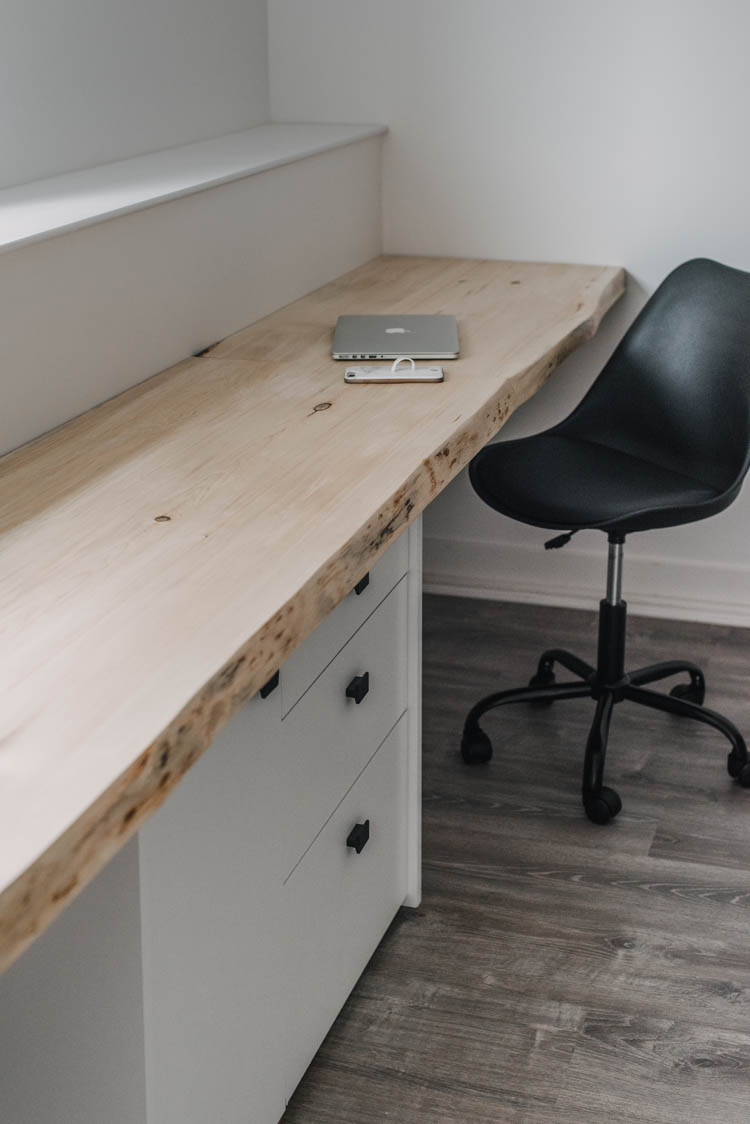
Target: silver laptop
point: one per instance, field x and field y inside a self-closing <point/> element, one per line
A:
<point x="386" y="337"/>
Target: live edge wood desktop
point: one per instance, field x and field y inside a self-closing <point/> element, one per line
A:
<point x="163" y="555"/>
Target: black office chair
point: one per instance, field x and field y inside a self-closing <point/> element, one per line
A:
<point x="661" y="438"/>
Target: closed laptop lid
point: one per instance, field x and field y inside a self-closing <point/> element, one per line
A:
<point x="386" y="337"/>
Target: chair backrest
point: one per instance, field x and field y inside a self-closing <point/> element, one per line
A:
<point x="676" y="391"/>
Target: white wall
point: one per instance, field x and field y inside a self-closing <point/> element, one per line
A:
<point x="83" y="82"/>
<point x="88" y="314"/>
<point x="85" y="315"/>
<point x="548" y="130"/>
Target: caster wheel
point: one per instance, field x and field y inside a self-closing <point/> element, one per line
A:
<point x="602" y="807"/>
<point x="689" y="692"/>
<point x="543" y="679"/>
<point x="739" y="770"/>
<point x="476" y="747"/>
<point x="734" y="766"/>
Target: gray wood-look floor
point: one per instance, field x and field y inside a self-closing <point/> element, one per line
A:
<point x="557" y="971"/>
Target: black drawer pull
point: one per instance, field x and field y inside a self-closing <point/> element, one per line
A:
<point x="358" y="836"/>
<point x="358" y="687"/>
<point x="271" y="685"/>
<point x="362" y="584"/>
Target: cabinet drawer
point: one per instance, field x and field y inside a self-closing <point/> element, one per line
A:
<point x="338" y="903"/>
<point x="313" y="656"/>
<point x="327" y="739"/>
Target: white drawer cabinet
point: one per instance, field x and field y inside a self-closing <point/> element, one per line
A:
<point x="248" y="960"/>
<point x="245" y="916"/>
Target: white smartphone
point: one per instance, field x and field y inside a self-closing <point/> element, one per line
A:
<point x="394" y="373"/>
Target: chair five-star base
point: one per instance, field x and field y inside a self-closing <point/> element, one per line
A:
<point x="608" y="683"/>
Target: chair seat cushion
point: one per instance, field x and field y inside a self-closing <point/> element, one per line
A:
<point x="558" y="481"/>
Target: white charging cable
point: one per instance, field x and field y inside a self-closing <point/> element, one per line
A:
<point x="402" y="359"/>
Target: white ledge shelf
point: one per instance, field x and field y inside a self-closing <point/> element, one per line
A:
<point x="45" y="208"/>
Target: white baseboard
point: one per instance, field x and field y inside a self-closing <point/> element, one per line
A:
<point x="653" y="587"/>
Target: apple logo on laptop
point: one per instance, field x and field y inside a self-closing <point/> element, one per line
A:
<point x="396" y="331"/>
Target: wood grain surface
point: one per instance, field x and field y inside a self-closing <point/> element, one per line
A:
<point x="557" y="972"/>
<point x="162" y="555"/>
